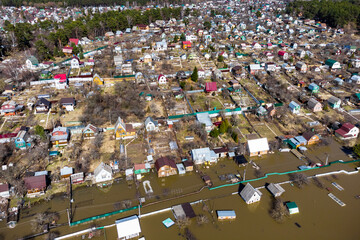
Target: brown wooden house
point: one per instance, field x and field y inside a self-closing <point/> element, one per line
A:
<point x="165" y="167"/>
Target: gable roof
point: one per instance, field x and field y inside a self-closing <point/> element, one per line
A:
<point x="258" y="145"/>
<point x="102" y="166"/>
<point x="210" y="87"/>
<point x="43" y="101"/>
<point x="248" y="191"/>
<point x="128" y="226"/>
<point x="164" y="161"/>
<point x="34" y="182"/>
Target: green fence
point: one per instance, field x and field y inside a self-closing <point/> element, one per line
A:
<point x="102" y="216"/>
<point x="283" y="173"/>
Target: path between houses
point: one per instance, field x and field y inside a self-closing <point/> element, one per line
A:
<point x="2" y="125"/>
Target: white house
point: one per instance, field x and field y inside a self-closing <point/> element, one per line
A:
<point x="102" y="173"/>
<point x="258" y="146"/>
<point x="160" y="46"/>
<point x="347" y="131"/>
<point x="75" y="62"/>
<point x="204" y="118"/>
<point x="162" y="79"/>
<point x="275" y="189"/>
<point x="151" y="124"/>
<point x="32" y="63"/>
<point x="202" y="155"/>
<point x="250" y="194"/>
<point x="128" y="228"/>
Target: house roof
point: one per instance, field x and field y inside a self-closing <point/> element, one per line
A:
<point x="43" y="101"/>
<point x="210" y="87"/>
<point x="33" y="60"/>
<point x="221" y="150"/>
<point x="164" y="161"/>
<point x="101" y="167"/>
<point x="4" y="187"/>
<point x="204" y="118"/>
<point x="128" y="226"/>
<point x="312" y="102"/>
<point x="275" y="188"/>
<point x="34" y="182"/>
<point x="226" y="213"/>
<point x="345" y="129"/>
<point x="149" y="119"/>
<point x="258" y="145"/>
<point x="308" y="135"/>
<point x="66" y="171"/>
<point x="67" y="100"/>
<point x="248" y="191"/>
<point x="201" y="154"/>
<point x="74" y="40"/>
<point x="333" y="100"/>
<point x="91" y="127"/>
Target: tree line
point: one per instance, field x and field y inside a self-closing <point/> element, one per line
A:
<point x="333" y="13"/>
<point x="49" y="37"/>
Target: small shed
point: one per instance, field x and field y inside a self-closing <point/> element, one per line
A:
<point x="66" y="172"/>
<point x="189" y="166"/>
<point x="226" y="214"/>
<point x="128" y="228"/>
<point x="292" y="207"/>
<point x="181" y="168"/>
<point x="275" y="189"/>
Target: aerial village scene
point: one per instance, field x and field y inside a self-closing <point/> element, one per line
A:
<point x="179" y="119"/>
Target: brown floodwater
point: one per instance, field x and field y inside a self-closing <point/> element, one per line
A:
<point x="320" y="217"/>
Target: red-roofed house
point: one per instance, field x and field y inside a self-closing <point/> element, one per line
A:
<point x="162" y="79"/>
<point x="61" y="81"/>
<point x="67" y="50"/>
<point x="283" y="54"/>
<point x="347" y="131"/>
<point x="186" y="44"/>
<point x="35" y="185"/>
<point x="165" y="167"/>
<point x="74" y="40"/>
<point x="210" y="87"/>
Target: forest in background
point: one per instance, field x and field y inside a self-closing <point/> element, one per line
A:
<point x="333" y="13"/>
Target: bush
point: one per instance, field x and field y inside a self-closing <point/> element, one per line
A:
<point x="215" y="133"/>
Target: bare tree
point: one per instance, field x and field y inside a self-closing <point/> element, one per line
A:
<point x="300" y="179"/>
<point x="278" y="211"/>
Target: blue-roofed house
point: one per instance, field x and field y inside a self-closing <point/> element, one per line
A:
<point x="314" y="88"/>
<point x="297" y="142"/>
<point x="21" y="139"/>
<point x="226" y="214"/>
<point x="294" y="107"/>
<point x="203" y="155"/>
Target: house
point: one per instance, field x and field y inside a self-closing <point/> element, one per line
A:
<point x="254" y="68"/>
<point x="128" y="228"/>
<point x="270" y="66"/>
<point x="90" y="131"/>
<point x="102" y="173"/>
<point x="221" y="152"/>
<point x="74" y="40"/>
<point x="292" y="207"/>
<point x="301" y="66"/>
<point x="332" y="64"/>
<point x="186" y="44"/>
<point x="314" y="88"/>
<point x="21" y="140"/>
<point x="204" y="118"/>
<point x="4" y="190"/>
<point x="68" y="103"/>
<point x="66" y="172"/>
<point x="275" y="189"/>
<point x="355" y="63"/>
<point x="347" y="131"/>
<point x="284" y="55"/>
<point x="226" y="214"/>
<point x="42" y="105"/>
<point x="354" y="79"/>
<point x="181" y="168"/>
<point x="314" y="105"/>
<point x="189" y="166"/>
<point x="240" y="160"/>
<point x="210" y="87"/>
<point x="142" y="168"/>
<point x="32" y="63"/>
<point x="311" y="138"/>
<point x="294" y="107"/>
<point x="334" y="102"/>
<point x="75" y="62"/>
<point x="165" y="167"/>
<point x="258" y="146"/>
<point x="67" y="50"/>
<point x="8" y="108"/>
<point x="160" y="46"/>
<point x="9" y="90"/>
<point x="183" y="211"/>
<point x="203" y="155"/>
<point x="35" y="185"/>
<point x="162" y="79"/>
<point x="151" y="124"/>
<point x="124" y="131"/>
<point x="147" y="58"/>
<point x="60" y="136"/>
<point x="77" y="178"/>
<point x="250" y="195"/>
<point x="297" y="141"/>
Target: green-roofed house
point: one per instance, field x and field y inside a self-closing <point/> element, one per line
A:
<point x="332" y="64"/>
<point x="32" y="63"/>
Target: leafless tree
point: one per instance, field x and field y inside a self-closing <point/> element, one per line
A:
<point x="202" y="219"/>
<point x="300" y="179"/>
<point x="278" y="211"/>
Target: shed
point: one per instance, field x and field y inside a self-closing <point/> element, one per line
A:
<point x="292" y="207"/>
<point x="226" y="214"/>
<point x="181" y="168"/>
<point x="275" y="189"/>
<point x="128" y="227"/>
<point x="65" y="172"/>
